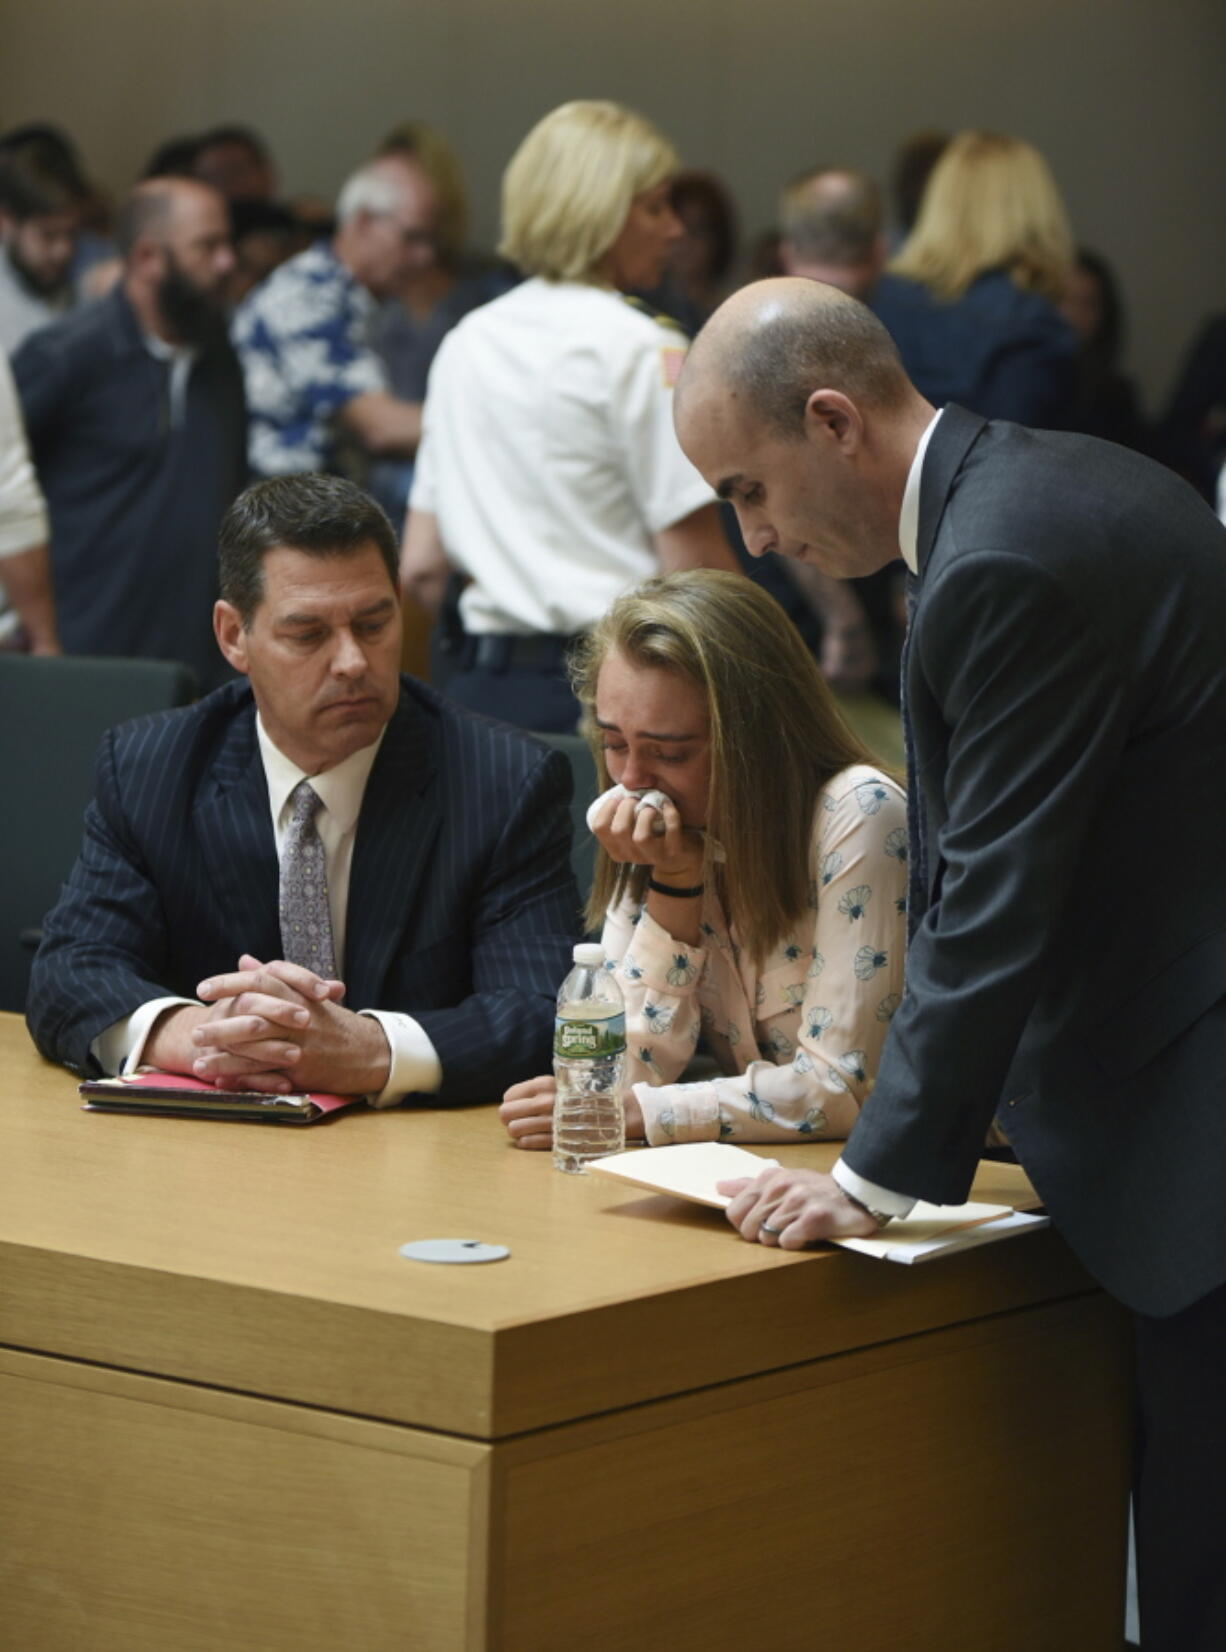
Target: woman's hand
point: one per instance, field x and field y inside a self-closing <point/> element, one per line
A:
<point x="527" y="1112"/>
<point x="625" y="832"/>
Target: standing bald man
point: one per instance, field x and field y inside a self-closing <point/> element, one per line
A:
<point x="1065" y="691"/>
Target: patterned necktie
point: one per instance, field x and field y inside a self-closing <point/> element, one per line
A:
<point x="306" y="920"/>
<point x="917" y="833"/>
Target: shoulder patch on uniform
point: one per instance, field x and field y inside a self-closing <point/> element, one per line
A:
<point x="672" y="359"/>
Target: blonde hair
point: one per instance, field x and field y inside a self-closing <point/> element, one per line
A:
<point x="776" y="738"/>
<point x="439" y="161"/>
<point x="991" y="203"/>
<point x="571" y="182"/>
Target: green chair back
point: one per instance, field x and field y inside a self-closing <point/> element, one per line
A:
<point x="53" y="713"/>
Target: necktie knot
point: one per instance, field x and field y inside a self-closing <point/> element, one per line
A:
<point x="305" y="803"/>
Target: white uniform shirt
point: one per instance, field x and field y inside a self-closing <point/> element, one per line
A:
<point x="549" y="457"/>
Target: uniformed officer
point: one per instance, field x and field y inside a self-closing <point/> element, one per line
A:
<point x="549" y="473"/>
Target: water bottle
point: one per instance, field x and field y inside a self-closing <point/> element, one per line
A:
<point x="589" y="1057"/>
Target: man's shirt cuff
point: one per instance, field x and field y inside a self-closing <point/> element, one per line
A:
<point x="415" y="1066"/>
<point x="868" y="1193"/>
<point x="119" y="1047"/>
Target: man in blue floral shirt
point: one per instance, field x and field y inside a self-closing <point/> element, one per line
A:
<point x="303" y="335"/>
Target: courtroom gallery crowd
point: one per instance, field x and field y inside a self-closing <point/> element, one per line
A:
<point x="242" y="431"/>
<point x="206" y="315"/>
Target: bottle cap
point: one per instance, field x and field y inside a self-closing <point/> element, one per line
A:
<point x="590" y="953"/>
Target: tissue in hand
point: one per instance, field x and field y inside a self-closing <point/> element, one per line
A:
<point x="646" y="800"/>
<point x="653" y="800"/>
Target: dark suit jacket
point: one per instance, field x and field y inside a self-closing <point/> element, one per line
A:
<point x="1067" y="691"/>
<point x="1002" y="352"/>
<point x="462" y="907"/>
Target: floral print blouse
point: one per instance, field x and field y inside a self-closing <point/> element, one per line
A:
<point x="798" y="1036"/>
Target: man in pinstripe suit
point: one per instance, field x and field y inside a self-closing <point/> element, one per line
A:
<point x="447" y="906"/>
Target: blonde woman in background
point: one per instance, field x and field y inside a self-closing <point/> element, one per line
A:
<point x="549" y="473"/>
<point x="971" y="299"/>
<point x="770" y="914"/>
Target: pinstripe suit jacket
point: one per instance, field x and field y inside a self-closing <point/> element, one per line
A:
<point x="462" y="907"/>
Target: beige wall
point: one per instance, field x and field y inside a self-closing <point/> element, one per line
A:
<point x="1124" y="96"/>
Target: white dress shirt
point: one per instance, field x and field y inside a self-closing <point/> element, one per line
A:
<point x="860" y="1188"/>
<point x="908" y="516"/>
<point x="415" y="1066"/>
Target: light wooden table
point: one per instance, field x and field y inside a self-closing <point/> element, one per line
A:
<point x="234" y="1419"/>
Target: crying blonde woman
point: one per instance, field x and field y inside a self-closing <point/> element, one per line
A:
<point x="759" y="902"/>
